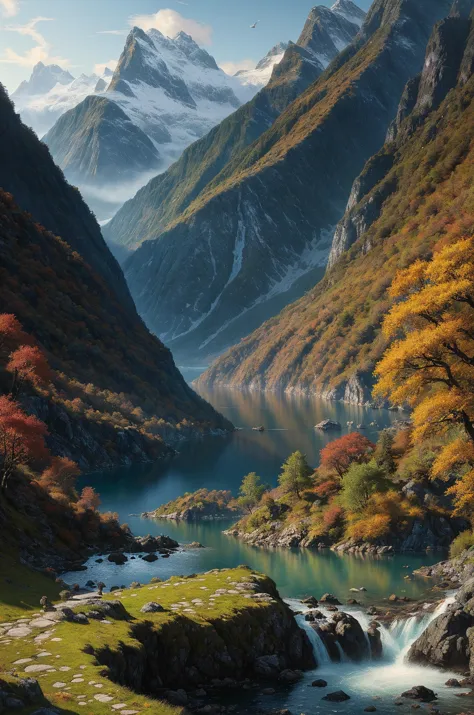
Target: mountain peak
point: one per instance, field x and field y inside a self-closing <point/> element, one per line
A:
<point x="42" y="79"/>
<point x="276" y="51"/>
<point x="327" y="31"/>
<point x="350" y="11"/>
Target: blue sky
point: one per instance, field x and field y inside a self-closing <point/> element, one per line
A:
<point x="82" y="35"/>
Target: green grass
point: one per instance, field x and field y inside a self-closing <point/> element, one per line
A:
<point x="21" y="589"/>
<point x="69" y="651"/>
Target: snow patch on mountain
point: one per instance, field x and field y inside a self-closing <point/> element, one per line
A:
<point x="259" y="76"/>
<point x="51" y="91"/>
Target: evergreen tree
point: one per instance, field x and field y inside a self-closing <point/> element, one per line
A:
<point x="295" y="475"/>
<point x="383" y="452"/>
<point x="251" y="491"/>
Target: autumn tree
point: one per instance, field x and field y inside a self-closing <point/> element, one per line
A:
<point x="295" y="475"/>
<point x="28" y="364"/>
<point x="430" y="364"/>
<point x="88" y="500"/>
<point x="61" y="475"/>
<point x="342" y="452"/>
<point x="11" y="334"/>
<point x="21" y="439"/>
<point x="359" y="483"/>
<point x="251" y="491"/>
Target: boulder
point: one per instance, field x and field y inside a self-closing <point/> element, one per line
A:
<point x="453" y="683"/>
<point x="150" y="557"/>
<point x="375" y="642"/>
<point x="419" y="692"/>
<point x="350" y="636"/>
<point x="267" y="665"/>
<point x="320" y="683"/>
<point x="151" y="544"/>
<point x="328" y="426"/>
<point x="446" y="642"/>
<point x="337" y="697"/>
<point x="329" y="598"/>
<point x="116" y="557"/>
<point x="152" y="607"/>
<point x="310" y="601"/>
<point x="291" y="676"/>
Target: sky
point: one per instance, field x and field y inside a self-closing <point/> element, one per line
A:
<point x="86" y="35"/>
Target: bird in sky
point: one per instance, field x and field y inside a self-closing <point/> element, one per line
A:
<point x="252" y="27"/>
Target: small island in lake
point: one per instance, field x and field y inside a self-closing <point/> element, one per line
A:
<point x="204" y="504"/>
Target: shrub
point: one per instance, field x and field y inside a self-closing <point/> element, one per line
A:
<point x="464" y="541"/>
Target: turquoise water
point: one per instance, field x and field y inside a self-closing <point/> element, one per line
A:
<point x="220" y="463"/>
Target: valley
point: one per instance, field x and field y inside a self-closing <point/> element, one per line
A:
<point x="237" y="358"/>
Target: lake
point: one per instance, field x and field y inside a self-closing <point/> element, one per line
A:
<point x="220" y="463"/>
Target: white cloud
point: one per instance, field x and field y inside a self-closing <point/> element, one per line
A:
<point x="233" y="67"/>
<point x="39" y="53"/>
<point x="100" y="67"/>
<point x="9" y="8"/>
<point x="111" y="32"/>
<point x="170" y="22"/>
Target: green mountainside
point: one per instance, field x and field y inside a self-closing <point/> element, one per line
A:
<point x="416" y="192"/>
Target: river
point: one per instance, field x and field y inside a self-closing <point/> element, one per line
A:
<point x="220" y="463"/>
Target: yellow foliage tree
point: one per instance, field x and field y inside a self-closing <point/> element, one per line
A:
<point x="431" y="366"/>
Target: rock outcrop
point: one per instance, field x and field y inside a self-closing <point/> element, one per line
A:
<point x="265" y="642"/>
<point x="449" y="640"/>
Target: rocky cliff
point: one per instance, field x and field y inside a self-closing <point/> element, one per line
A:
<point x="260" y="233"/>
<point x="400" y="205"/>
<point x="449" y="640"/>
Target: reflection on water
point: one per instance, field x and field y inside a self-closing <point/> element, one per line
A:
<point x="220" y="463"/>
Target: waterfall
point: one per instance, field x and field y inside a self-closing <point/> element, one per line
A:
<point x="396" y="639"/>
<point x="404" y="633"/>
<point x="319" y="649"/>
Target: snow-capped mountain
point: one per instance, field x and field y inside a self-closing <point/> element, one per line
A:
<point x="51" y="91"/>
<point x="43" y="79"/>
<point x="259" y="76"/>
<point x="170" y="90"/>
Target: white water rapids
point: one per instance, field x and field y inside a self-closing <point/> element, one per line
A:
<point x="376" y="683"/>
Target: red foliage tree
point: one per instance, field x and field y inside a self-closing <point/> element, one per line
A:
<point x="340" y="454"/>
<point x="28" y="364"/>
<point x="11" y="334"/>
<point x="89" y="499"/>
<point x="62" y="474"/>
<point x="21" y="439"/>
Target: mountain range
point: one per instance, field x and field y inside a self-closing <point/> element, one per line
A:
<point x="413" y="194"/>
<point x="51" y="91"/>
<point x="243" y="225"/>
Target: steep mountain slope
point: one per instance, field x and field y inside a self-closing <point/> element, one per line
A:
<point x="260" y="75"/>
<point x="51" y="91"/>
<point x="416" y="192"/>
<point x="29" y="173"/>
<point x="259" y="235"/>
<point x="97" y="140"/>
<point x="164" y="94"/>
<point x="166" y="196"/>
<point x="116" y="395"/>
